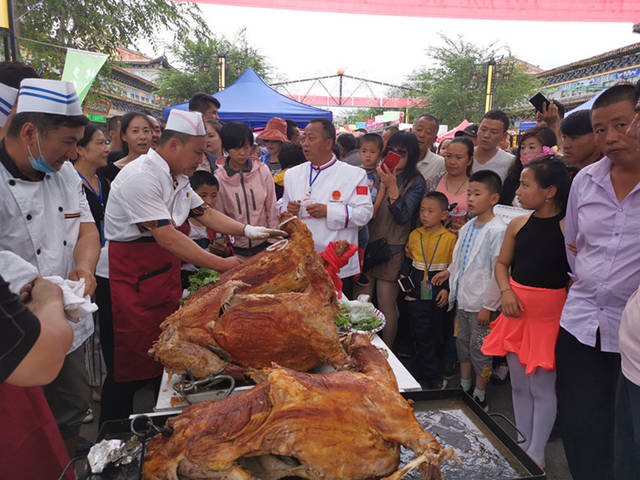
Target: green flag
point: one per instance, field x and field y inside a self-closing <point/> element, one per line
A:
<point x="81" y="68"/>
<point x="391" y="116"/>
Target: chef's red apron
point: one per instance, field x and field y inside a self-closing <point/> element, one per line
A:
<point x="30" y="443"/>
<point x="145" y="289"/>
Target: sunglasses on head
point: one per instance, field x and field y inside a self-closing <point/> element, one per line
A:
<point x="399" y="150"/>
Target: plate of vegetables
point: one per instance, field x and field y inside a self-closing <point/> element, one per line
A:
<point x="199" y="279"/>
<point x="359" y="315"/>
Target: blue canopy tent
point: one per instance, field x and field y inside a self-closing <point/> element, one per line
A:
<point x="252" y="101"/>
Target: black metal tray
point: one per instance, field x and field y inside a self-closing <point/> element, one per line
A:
<point x="424" y="401"/>
<point x="500" y="440"/>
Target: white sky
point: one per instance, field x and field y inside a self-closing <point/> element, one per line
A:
<point x="307" y="44"/>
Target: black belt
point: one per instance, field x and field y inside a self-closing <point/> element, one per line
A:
<point x="142" y="240"/>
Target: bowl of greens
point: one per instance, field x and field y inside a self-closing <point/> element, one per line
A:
<point x="359" y="316"/>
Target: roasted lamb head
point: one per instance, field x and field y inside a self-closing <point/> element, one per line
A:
<point x="340" y="425"/>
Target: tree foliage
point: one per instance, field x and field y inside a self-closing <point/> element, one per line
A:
<point x="455" y="86"/>
<point x="98" y="25"/>
<point x="194" y="54"/>
<point x="361" y="115"/>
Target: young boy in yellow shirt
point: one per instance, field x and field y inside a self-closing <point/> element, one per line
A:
<point x="429" y="251"/>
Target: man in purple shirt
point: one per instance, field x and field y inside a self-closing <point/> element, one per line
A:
<point x="603" y="221"/>
<point x="626" y="455"/>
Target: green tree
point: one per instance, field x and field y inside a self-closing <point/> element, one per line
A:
<point x="455" y="86"/>
<point x="198" y="72"/>
<point x="360" y="115"/>
<point x="97" y="25"/>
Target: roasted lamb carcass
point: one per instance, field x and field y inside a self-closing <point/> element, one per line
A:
<point x="294" y="329"/>
<point x="339" y="425"/>
<point x="274" y="270"/>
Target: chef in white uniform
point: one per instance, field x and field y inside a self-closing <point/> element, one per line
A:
<point x="46" y="219"/>
<point x="331" y="197"/>
<point x="8" y="96"/>
<point x="148" y="199"/>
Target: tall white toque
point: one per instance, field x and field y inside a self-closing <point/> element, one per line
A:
<point x="39" y="95"/>
<point x="186" y="122"/>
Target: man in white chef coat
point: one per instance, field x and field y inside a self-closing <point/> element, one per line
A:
<point x="46" y="219"/>
<point x="148" y="199"/>
<point x="331" y="197"/>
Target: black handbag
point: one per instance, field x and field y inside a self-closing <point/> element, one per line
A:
<point x="377" y="252"/>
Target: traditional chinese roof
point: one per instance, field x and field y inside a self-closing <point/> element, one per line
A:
<point x="605" y="59"/>
<point x="132" y="57"/>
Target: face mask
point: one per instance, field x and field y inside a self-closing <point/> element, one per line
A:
<point x="40" y="164"/>
<point x="527" y="157"/>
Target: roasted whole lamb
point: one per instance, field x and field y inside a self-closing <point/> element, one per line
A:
<point x="338" y="425"/>
<point x="279" y="306"/>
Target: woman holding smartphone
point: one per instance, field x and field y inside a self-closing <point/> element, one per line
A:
<point x="398" y="201"/>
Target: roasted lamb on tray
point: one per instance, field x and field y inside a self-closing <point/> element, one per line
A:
<point x="278" y="307"/>
<point x="338" y="425"/>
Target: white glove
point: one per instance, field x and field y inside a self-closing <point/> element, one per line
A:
<point x="260" y="233"/>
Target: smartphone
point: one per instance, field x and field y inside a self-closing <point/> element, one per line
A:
<point x="406" y="284"/>
<point x="538" y="101"/>
<point x="391" y="161"/>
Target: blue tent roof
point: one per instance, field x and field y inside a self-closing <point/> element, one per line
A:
<point x="252" y="101"/>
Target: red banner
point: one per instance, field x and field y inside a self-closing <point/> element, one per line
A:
<point x="549" y="10"/>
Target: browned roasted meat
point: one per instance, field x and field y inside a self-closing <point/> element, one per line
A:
<point x="290" y="321"/>
<point x="339" y="425"/>
<point x="274" y="270"/>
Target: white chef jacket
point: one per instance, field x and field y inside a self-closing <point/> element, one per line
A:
<point x="344" y="189"/>
<point x="41" y="222"/>
<point x="145" y="191"/>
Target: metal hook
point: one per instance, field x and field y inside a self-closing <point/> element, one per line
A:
<point x="141" y="421"/>
<point x="220" y="352"/>
<point x="186" y="387"/>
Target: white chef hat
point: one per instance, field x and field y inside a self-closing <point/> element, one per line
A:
<point x="7" y="99"/>
<point x="39" y="95"/>
<point x="186" y="122"/>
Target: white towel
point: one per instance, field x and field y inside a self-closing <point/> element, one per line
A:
<point x="18" y="272"/>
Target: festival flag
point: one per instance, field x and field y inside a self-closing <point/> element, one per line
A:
<point x="81" y="68"/>
<point x="391" y="116"/>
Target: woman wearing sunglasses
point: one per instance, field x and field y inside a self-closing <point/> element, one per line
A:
<point x="397" y="204"/>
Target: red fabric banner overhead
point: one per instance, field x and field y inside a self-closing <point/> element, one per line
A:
<point x="551" y="10"/>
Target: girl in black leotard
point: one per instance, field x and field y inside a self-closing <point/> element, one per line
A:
<point x="533" y="298"/>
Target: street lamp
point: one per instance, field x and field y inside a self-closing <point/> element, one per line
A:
<point x="221" y="66"/>
<point x="489" y="92"/>
<point x="205" y="68"/>
<point x="496" y="69"/>
<point x="7" y="30"/>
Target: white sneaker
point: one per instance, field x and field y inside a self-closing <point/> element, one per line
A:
<point x="88" y="417"/>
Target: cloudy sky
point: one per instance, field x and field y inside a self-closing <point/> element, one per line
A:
<point x="307" y="44"/>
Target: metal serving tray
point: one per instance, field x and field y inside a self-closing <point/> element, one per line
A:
<point x="487" y="451"/>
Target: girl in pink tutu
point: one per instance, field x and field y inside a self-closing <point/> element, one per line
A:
<point x="532" y="299"/>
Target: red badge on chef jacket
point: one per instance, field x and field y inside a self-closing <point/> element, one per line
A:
<point x="361" y="190"/>
<point x="335" y="195"/>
